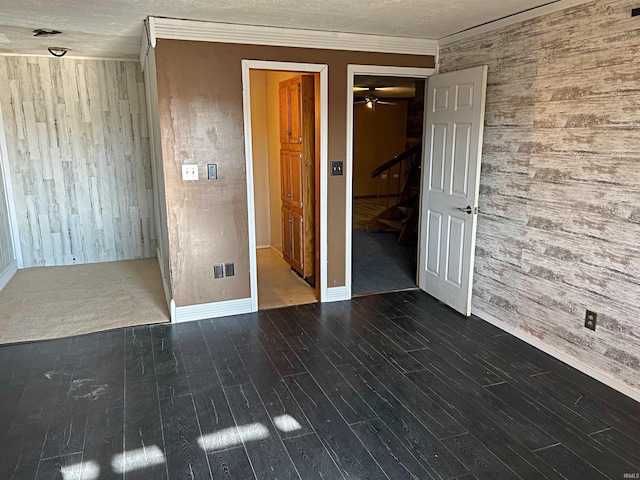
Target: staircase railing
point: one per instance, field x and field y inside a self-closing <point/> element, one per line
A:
<point x="407" y="160"/>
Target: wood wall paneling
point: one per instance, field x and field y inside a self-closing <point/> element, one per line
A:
<point x="560" y="184"/>
<point x="78" y="146"/>
<point x="378" y="136"/>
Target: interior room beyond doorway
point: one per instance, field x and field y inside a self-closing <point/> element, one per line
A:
<point x="387" y="135"/>
<point x="284" y="165"/>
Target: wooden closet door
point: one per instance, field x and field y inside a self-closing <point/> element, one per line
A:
<point x="296" y="172"/>
<point x="285" y="115"/>
<point x="297" y="240"/>
<point x="286" y="233"/>
<point x="285" y="176"/>
<point x="295" y="110"/>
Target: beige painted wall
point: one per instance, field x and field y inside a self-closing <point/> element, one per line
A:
<point x="78" y="151"/>
<point x="378" y="136"/>
<point x="560" y="183"/>
<point x="202" y="118"/>
<point x="260" y="144"/>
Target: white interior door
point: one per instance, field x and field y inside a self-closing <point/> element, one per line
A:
<point x="450" y="181"/>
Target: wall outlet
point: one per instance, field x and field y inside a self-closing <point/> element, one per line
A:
<point x="590" y="319"/>
<point x="189" y="172"/>
<point x="218" y="271"/>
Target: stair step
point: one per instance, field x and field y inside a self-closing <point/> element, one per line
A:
<point x="394" y="224"/>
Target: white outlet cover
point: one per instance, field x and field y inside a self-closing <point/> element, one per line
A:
<point x="189" y="172"/>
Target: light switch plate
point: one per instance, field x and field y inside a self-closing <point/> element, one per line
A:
<point x="336" y="168"/>
<point x="189" y="172"/>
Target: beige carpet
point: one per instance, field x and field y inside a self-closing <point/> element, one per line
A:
<point x="54" y="302"/>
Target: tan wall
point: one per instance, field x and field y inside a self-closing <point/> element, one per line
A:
<point x="201" y="117"/>
<point x="260" y="145"/>
<point x="378" y="136"/>
<point x="560" y="183"/>
<point x="78" y="150"/>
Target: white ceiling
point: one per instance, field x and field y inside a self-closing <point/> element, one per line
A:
<point x="113" y="28"/>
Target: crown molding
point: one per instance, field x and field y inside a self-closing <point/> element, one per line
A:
<point x="510" y="20"/>
<point x="177" y="29"/>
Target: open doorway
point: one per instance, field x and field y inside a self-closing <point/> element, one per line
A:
<point x="285" y="163"/>
<point x="388" y="117"/>
<point x="384" y="160"/>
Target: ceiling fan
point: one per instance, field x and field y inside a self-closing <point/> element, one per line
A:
<point x="370" y="98"/>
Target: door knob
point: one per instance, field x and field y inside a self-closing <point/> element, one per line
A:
<point x="467" y="209"/>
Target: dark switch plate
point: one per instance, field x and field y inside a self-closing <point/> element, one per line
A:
<point x="212" y="171"/>
<point x="337" y="168"/>
<point x="229" y="270"/>
<point x="635" y="12"/>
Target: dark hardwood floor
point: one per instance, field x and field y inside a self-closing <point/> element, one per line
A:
<point x="393" y="386"/>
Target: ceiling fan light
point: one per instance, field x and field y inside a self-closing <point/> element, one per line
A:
<point x="58" y="51"/>
<point x="45" y="32"/>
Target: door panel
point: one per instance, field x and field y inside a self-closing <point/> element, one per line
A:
<point x="286" y="233"/>
<point x="455" y="251"/>
<point x="297" y="241"/>
<point x="460" y="159"/>
<point x="296" y="111"/>
<point x="285" y="176"/>
<point x="296" y="172"/>
<point x="285" y="119"/>
<point x="438" y="158"/>
<point x="450" y="183"/>
<point x="434" y="234"/>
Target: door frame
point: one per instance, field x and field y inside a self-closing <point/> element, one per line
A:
<point x="352" y="71"/>
<point x="321" y="196"/>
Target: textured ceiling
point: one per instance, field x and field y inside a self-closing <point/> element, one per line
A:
<point x="113" y="28"/>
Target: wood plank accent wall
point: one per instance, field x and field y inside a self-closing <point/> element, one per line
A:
<point x="6" y="245"/>
<point x="560" y="186"/>
<point x="79" y="155"/>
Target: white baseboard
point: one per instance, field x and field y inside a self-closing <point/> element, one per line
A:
<point x="262" y="247"/>
<point x="8" y="274"/>
<point x="278" y="251"/>
<point x="560" y="355"/>
<point x="336" y="294"/>
<point x="203" y="311"/>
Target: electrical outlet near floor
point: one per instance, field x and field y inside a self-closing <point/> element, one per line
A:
<point x="590" y="319"/>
